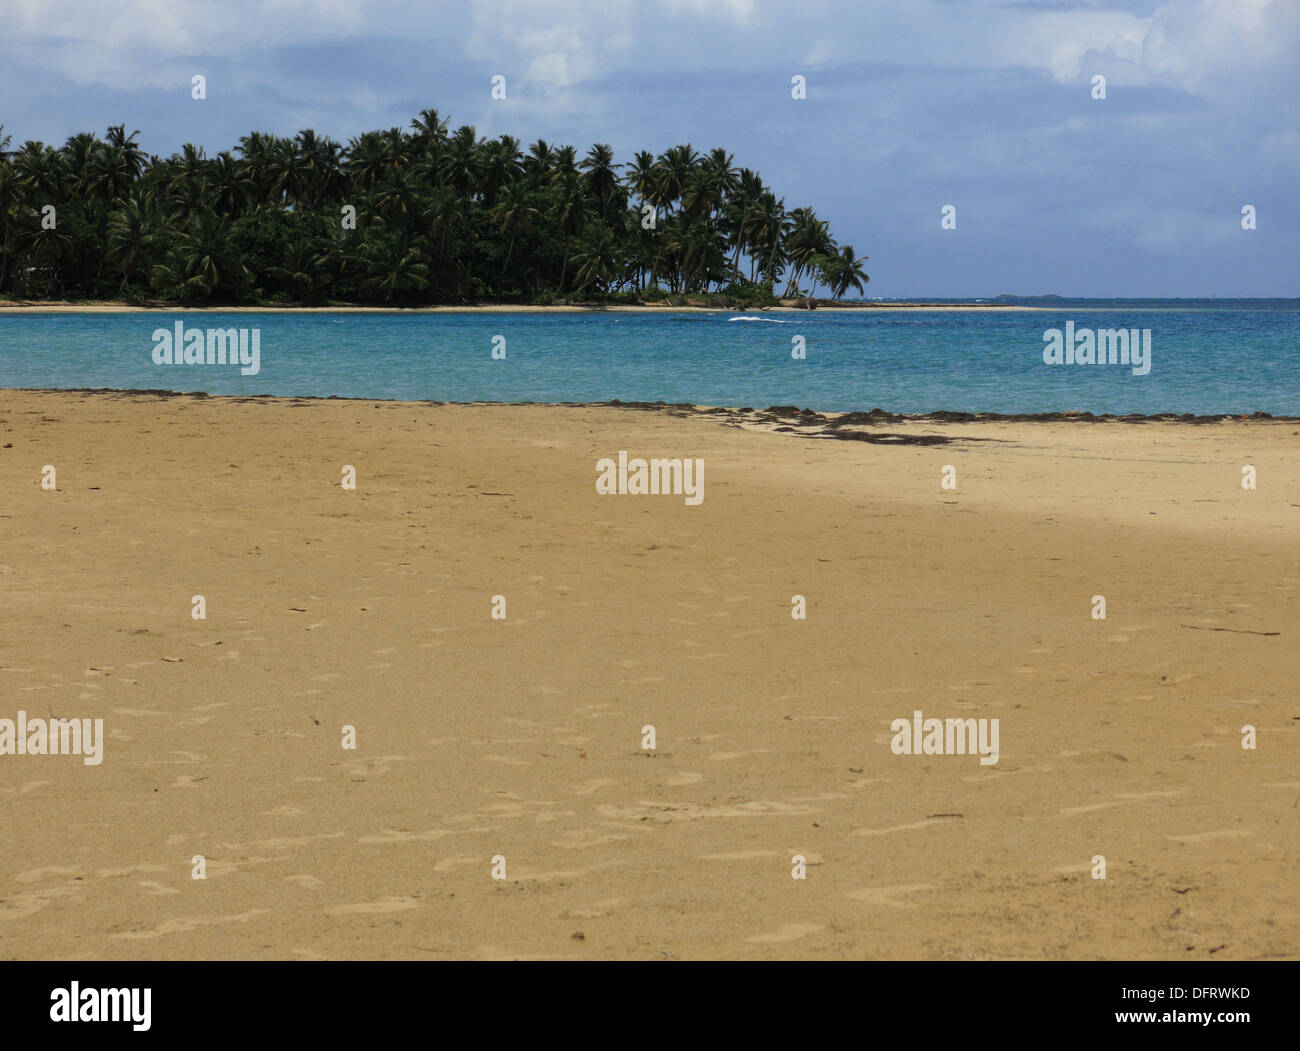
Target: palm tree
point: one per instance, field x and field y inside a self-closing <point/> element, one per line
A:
<point x="744" y="199"/>
<point x="515" y="215"/>
<point x="445" y="216"/>
<point x="767" y="234"/>
<point x="500" y="167"/>
<point x="124" y="147"/>
<point x="130" y="237"/>
<point x="230" y="186"/>
<point x="601" y="177"/>
<point x="9" y="198"/>
<point x="463" y="163"/>
<point x="429" y="128"/>
<point x="808" y="238"/>
<point x="844" y="271"/>
<point x="393" y="269"/>
<point x="303" y="273"/>
<point x="539" y="162"/>
<point x="676" y="166"/>
<point x="40" y="171"/>
<point x="365" y="160"/>
<point x="598" y="258"/>
<point x="570" y="214"/>
<point x="201" y="262"/>
<point x="317" y="169"/>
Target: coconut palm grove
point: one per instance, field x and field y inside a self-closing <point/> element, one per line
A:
<point x="402" y="218"/>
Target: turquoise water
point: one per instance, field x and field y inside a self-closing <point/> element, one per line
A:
<point x="1206" y="358"/>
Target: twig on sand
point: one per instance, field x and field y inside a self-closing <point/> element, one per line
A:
<point x="1235" y="631"/>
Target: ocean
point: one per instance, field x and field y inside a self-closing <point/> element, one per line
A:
<point x="1207" y="357"/>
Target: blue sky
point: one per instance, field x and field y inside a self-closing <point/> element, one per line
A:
<point x="910" y="106"/>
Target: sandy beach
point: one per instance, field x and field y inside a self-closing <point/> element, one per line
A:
<point x="523" y="738"/>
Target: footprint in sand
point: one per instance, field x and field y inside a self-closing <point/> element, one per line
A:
<point x="885" y="895"/>
<point x="741" y="855"/>
<point x="1152" y="795"/>
<point x="29" y="786"/>
<point x="1066" y="811"/>
<point x="369" y="908"/>
<point x="506" y="760"/>
<point x="187" y="924"/>
<point x="186" y="781"/>
<point x="596" y="910"/>
<point x="32" y="875"/>
<point x="897" y="828"/>
<point x="447" y="864"/>
<point x="401" y="835"/>
<point x="788" y="933"/>
<point x="585" y="788"/>
<point x="380" y="764"/>
<point x="1201" y="837"/>
<point x="20" y="906"/>
<point x="129" y="870"/>
<point x="279" y="842"/>
<point x="585" y="839"/>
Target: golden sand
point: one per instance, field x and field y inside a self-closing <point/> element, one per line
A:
<point x="522" y="738"/>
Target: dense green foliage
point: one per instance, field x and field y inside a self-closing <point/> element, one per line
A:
<point x="439" y="217"/>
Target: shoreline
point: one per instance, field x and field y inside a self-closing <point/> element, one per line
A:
<point x="789" y="417"/>
<point x="111" y="307"/>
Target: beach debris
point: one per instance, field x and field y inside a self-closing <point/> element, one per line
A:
<point x="1235" y="631"/>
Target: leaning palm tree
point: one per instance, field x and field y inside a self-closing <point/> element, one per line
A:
<point x="808" y="238"/>
<point x="844" y="271"/>
<point x="124" y="146"/>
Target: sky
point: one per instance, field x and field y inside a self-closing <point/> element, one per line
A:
<point x="911" y="106"/>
